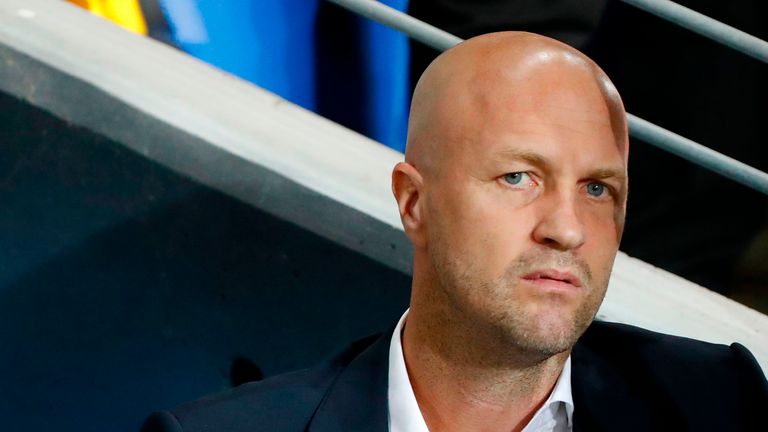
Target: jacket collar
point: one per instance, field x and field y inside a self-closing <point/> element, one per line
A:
<point x="612" y="389"/>
<point x="597" y="406"/>
<point x="357" y="400"/>
<point x="603" y="395"/>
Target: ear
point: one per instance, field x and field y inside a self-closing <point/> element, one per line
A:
<point x="407" y="185"/>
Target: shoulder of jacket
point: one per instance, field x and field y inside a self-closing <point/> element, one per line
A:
<point x="632" y="338"/>
<point x="280" y="403"/>
<point x="637" y="346"/>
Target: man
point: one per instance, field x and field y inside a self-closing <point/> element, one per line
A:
<point x="513" y="193"/>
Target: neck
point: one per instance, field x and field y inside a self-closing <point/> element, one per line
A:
<point x="467" y="379"/>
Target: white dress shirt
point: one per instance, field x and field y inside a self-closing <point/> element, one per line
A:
<point x="404" y="415"/>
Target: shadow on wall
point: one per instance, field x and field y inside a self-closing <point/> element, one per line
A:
<point x="127" y="288"/>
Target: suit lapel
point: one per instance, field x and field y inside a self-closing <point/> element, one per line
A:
<point x="357" y="400"/>
<point x="608" y="394"/>
<point x="607" y="397"/>
<point x="594" y="407"/>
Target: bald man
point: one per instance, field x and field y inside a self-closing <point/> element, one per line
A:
<point x="513" y="193"/>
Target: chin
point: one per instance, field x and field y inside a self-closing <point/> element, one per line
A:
<point x="550" y="342"/>
<point x="543" y="336"/>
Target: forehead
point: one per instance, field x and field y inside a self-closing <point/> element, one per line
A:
<point x="568" y="120"/>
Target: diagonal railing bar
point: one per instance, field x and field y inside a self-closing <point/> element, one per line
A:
<point x="698" y="154"/>
<point x="638" y="128"/>
<point x="705" y="26"/>
<point x="425" y="33"/>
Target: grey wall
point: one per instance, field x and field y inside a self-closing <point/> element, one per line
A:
<point x="126" y="288"/>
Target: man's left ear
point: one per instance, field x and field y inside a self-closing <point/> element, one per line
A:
<point x="407" y="185"/>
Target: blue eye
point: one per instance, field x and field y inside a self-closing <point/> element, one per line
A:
<point x="595" y="189"/>
<point x="516" y="178"/>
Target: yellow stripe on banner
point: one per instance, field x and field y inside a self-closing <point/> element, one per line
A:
<point x="126" y="13"/>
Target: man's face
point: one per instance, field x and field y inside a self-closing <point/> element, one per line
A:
<point x="525" y="214"/>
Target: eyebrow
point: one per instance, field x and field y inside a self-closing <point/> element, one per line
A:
<point x="606" y="173"/>
<point x="541" y="161"/>
<point x="524" y="155"/>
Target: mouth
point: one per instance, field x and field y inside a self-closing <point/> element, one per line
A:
<point x="552" y="278"/>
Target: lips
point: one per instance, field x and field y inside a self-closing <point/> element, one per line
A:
<point x="553" y="277"/>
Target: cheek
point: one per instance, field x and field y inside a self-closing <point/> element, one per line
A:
<point x="604" y="222"/>
<point x="619" y="216"/>
<point x="603" y="235"/>
<point x="490" y="232"/>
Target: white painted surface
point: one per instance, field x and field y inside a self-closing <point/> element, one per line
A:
<point x="649" y="297"/>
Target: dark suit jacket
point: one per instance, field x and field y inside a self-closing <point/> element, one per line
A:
<point x="623" y="379"/>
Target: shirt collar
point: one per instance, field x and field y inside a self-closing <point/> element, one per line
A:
<point x="404" y="412"/>
<point x="562" y="392"/>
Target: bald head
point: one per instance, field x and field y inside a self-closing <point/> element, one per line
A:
<point x="513" y="194"/>
<point x="497" y="74"/>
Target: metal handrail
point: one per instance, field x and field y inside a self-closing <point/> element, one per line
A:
<point x="698" y="154"/>
<point x="705" y="26"/>
<point x="638" y="128"/>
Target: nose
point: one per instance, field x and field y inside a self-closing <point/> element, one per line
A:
<point x="560" y="226"/>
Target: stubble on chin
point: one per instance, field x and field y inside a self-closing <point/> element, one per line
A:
<point x="521" y="323"/>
